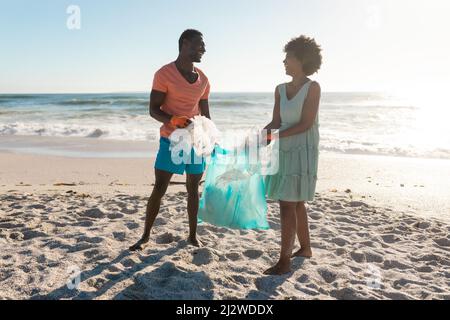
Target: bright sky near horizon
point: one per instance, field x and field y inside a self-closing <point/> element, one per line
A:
<point x="368" y="45"/>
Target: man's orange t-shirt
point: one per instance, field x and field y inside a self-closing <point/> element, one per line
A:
<point x="182" y="98"/>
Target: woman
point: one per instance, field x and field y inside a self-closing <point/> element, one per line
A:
<point x="296" y="116"/>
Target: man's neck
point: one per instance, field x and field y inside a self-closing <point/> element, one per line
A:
<point x="185" y="64"/>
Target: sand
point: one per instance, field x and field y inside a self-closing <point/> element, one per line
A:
<point x="59" y="215"/>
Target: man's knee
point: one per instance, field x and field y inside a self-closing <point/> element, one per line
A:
<point x="159" y="190"/>
<point x="193" y="184"/>
<point x="192" y="189"/>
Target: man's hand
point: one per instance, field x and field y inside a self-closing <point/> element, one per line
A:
<point x="180" y="122"/>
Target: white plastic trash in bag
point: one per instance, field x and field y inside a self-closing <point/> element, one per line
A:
<point x="202" y="135"/>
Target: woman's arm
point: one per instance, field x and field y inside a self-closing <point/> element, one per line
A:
<point x="276" y="118"/>
<point x="309" y="113"/>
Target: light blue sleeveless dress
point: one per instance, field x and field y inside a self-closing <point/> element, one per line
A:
<point x="296" y="178"/>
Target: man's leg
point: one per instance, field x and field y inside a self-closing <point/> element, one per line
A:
<point x="162" y="180"/>
<point x="192" y="186"/>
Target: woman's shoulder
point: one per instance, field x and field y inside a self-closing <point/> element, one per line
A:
<point x="314" y="85"/>
<point x="314" y="90"/>
<point x="278" y="89"/>
<point x="280" y="86"/>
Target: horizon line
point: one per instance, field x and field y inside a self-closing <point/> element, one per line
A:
<point x="148" y="92"/>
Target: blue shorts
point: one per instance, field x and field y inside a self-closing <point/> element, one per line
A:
<point x="180" y="163"/>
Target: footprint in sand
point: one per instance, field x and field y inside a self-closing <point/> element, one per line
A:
<point x="328" y="275"/>
<point x="240" y="279"/>
<point x="167" y="238"/>
<point x="253" y="254"/>
<point x="372" y="257"/>
<point x="113" y="276"/>
<point x="127" y="208"/>
<point x="36" y="206"/>
<point x="203" y="256"/>
<point x="398" y="284"/>
<point x="121" y="236"/>
<point x="97" y="282"/>
<point x="358" y="256"/>
<point x="11" y="225"/>
<point x="132" y="225"/>
<point x="30" y="234"/>
<point x="340" y="241"/>
<point x="80" y="247"/>
<point x="234" y="256"/>
<point x="443" y="242"/>
<point x="85" y="223"/>
<point x="393" y="264"/>
<point x="159" y="222"/>
<point x="315" y="215"/>
<point x="91" y="253"/>
<point x="129" y="262"/>
<point x="304" y="278"/>
<point x="390" y="238"/>
<point x="355" y="204"/>
<point x="427" y="258"/>
<point x="422" y="225"/>
<point x="114" y="216"/>
<point x="93" y="213"/>
<point x="426" y="269"/>
<point x="94" y="240"/>
<point x="313" y="226"/>
<point x="345" y="294"/>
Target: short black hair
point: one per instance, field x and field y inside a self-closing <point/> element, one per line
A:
<point x="188" y="34"/>
<point x="307" y="51"/>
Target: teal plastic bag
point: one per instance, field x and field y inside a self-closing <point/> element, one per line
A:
<point x="234" y="193"/>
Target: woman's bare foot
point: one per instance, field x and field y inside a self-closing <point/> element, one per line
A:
<point x="279" y="269"/>
<point x="304" y="253"/>
<point x="140" y="245"/>
<point x="195" y="242"/>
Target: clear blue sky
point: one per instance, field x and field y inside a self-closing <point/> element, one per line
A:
<point x="369" y="45"/>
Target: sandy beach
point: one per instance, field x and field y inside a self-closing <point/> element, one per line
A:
<point x="377" y="233"/>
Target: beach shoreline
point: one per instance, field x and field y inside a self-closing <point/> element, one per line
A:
<point x="412" y="185"/>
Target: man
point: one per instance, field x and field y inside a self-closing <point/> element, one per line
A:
<point x="180" y="91"/>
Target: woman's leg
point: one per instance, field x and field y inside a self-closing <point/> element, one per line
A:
<point x="303" y="232"/>
<point x="288" y="224"/>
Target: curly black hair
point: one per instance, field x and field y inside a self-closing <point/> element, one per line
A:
<point x="188" y="34"/>
<point x="307" y="51"/>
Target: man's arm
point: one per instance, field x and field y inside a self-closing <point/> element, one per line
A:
<point x="204" y="108"/>
<point x="156" y="101"/>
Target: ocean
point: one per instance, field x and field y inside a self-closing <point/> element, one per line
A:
<point x="351" y="123"/>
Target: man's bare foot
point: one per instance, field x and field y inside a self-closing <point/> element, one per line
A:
<point x="279" y="269"/>
<point x="195" y="242"/>
<point x="304" y="253"/>
<point x="140" y="245"/>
